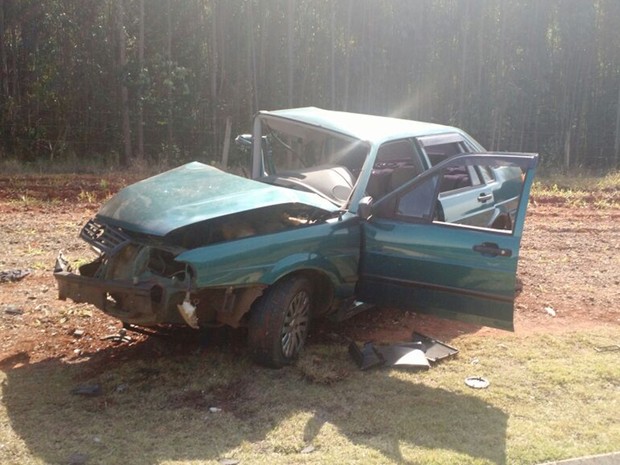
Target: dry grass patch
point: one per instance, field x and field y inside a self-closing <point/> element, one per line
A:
<point x="551" y="397"/>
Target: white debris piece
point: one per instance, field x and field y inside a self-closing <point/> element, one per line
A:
<point x="188" y="312"/>
<point x="550" y="311"/>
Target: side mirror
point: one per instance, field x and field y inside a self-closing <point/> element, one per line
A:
<point x="364" y="208"/>
<point x="244" y="141"/>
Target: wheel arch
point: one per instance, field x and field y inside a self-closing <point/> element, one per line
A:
<point x="319" y="271"/>
<point x="322" y="287"/>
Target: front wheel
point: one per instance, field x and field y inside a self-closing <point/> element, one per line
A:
<point x="279" y="322"/>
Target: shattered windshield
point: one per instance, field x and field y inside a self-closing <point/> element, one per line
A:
<point x="294" y="147"/>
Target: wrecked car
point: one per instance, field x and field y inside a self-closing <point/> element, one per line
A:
<point x="343" y="211"/>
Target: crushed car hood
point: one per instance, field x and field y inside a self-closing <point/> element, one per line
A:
<point x="191" y="193"/>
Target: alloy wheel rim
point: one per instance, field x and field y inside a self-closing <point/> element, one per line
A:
<point x="295" y="326"/>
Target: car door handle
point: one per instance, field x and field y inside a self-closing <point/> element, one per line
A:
<point x="491" y="249"/>
<point x="485" y="197"/>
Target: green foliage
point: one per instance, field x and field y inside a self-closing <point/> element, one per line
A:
<point x="520" y="75"/>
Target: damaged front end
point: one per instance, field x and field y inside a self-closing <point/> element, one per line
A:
<point x="166" y="247"/>
<point x="137" y="280"/>
<point x="133" y="281"/>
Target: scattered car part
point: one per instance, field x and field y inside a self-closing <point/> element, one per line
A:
<point x="88" y="390"/>
<point x="188" y="312"/>
<point x="367" y="357"/>
<point x="13" y="310"/>
<point x="477" y="382"/>
<point x="611" y="348"/>
<point x="435" y="350"/>
<point x="411" y="355"/>
<point x="120" y="337"/>
<point x="11" y="276"/>
<point x="419" y="353"/>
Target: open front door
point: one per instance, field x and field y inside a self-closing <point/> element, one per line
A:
<point x="447" y="242"/>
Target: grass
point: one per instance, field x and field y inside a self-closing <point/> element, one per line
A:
<point x="578" y="190"/>
<point x="551" y="397"/>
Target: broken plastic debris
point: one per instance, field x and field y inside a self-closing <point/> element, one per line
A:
<point x="417" y="354"/>
<point x="88" y="390"/>
<point x="550" y="311"/>
<point x="13" y="310"/>
<point x="120" y="337"/>
<point x="188" y="312"/>
<point x="11" y="276"/>
<point x="308" y="449"/>
<point x="62" y="264"/>
<point x="611" y="348"/>
<point x="477" y="382"/>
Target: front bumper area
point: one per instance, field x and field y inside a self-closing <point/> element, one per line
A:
<point x="145" y="303"/>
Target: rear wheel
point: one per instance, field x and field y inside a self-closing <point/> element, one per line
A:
<point x="279" y="322"/>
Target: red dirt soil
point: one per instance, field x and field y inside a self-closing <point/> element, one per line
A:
<point x="569" y="268"/>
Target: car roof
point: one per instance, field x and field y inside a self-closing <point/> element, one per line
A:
<point x="364" y="127"/>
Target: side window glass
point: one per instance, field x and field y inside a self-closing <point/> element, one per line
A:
<point x="486" y="174"/>
<point x="440" y="152"/>
<point x="418" y="203"/>
<point x="397" y="162"/>
<point x="455" y="177"/>
<point x="490" y="206"/>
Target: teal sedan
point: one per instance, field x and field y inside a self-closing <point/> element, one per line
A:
<point x="340" y="209"/>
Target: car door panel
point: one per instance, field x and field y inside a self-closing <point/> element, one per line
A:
<point x="422" y="263"/>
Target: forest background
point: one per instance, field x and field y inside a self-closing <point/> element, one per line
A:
<point x="119" y="82"/>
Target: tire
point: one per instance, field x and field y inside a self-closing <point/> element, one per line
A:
<point x="279" y="322"/>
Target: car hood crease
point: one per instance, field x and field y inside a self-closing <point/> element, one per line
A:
<point x="192" y="193"/>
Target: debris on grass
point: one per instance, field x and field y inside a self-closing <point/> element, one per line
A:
<point x="308" y="449"/>
<point x="419" y="353"/>
<point x="477" y="382"/>
<point x="11" y="276"/>
<point x="88" y="390"/>
<point x="611" y="348"/>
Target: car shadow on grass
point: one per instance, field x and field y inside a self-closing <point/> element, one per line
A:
<point x="155" y="404"/>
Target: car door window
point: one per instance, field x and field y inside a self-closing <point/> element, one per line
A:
<point x="396" y="163"/>
<point x="472" y="203"/>
<point x="441" y="148"/>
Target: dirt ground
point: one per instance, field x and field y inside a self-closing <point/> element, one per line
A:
<point x="569" y="268"/>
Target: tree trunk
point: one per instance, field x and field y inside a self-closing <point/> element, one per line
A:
<point x="226" y="145"/>
<point x="567" y="154"/>
<point x="332" y="63"/>
<point x="169" y="59"/>
<point x="252" y="59"/>
<point x="291" y="48"/>
<point x="4" y="69"/>
<point x="616" y="163"/>
<point x="126" y="157"/>
<point x="140" y="154"/>
<point x="215" y="58"/>
<point x="347" y="58"/>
